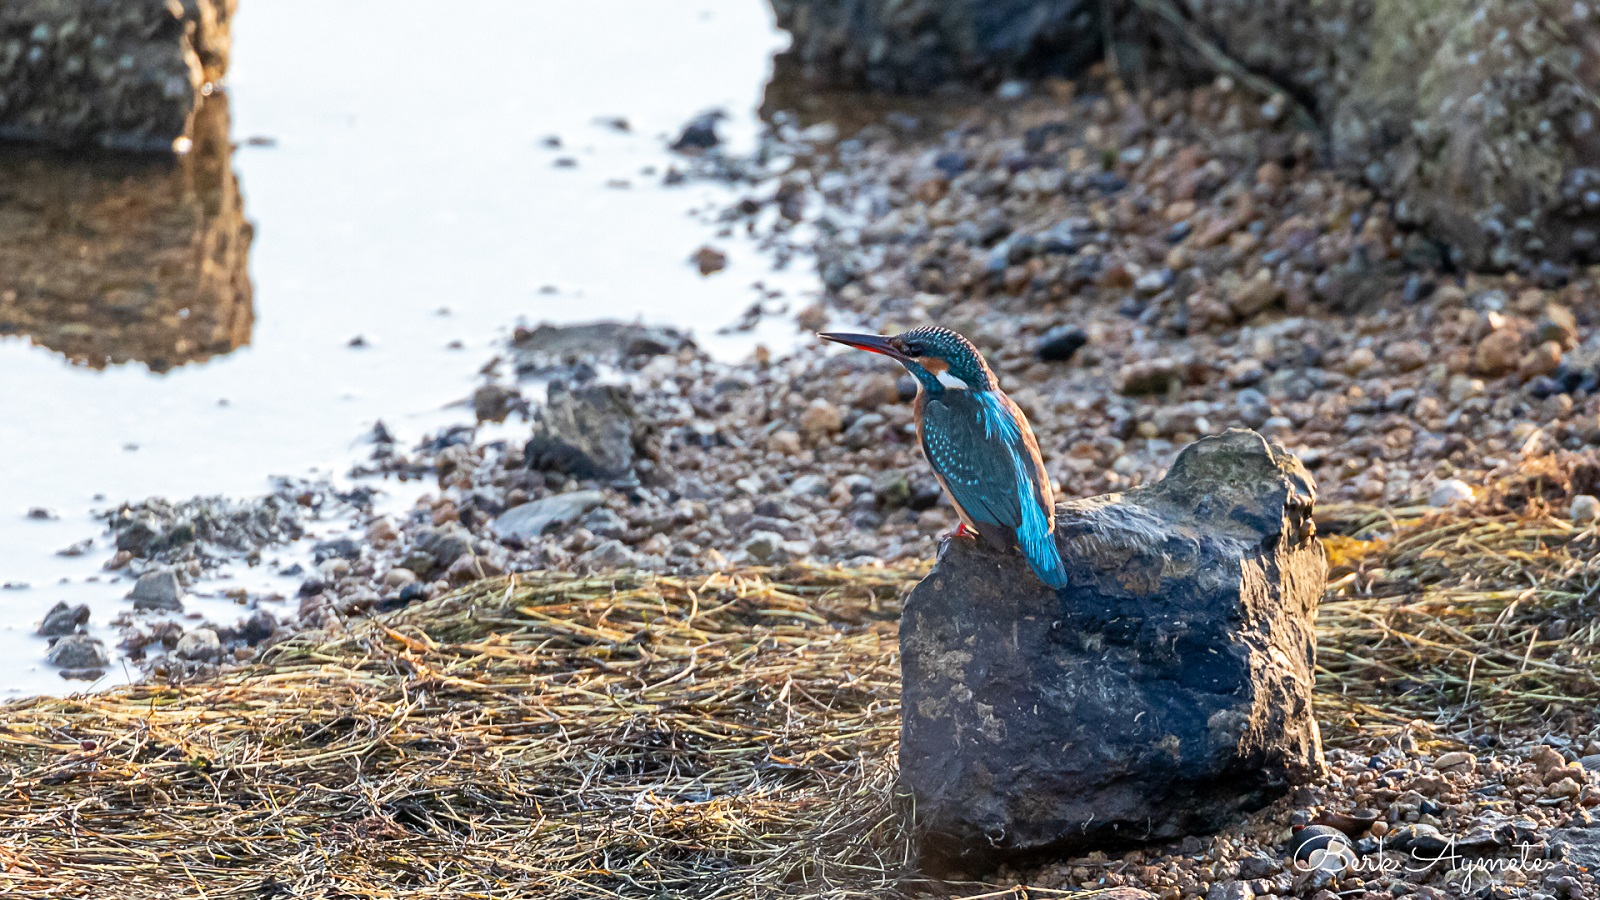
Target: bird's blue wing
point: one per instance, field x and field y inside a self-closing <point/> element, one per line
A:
<point x="972" y="460"/>
<point x="983" y="454"/>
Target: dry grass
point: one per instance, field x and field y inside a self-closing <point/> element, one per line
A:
<point x="1475" y="624"/>
<point x="655" y="737"/>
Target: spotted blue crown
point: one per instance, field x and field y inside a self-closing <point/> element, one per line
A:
<point x="965" y="362"/>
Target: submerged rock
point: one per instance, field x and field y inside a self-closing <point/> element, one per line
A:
<point x="78" y="651"/>
<point x="63" y="620"/>
<point x="158" y="590"/>
<point x="1166" y="691"/>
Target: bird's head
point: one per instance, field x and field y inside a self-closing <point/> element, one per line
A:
<point x="938" y="357"/>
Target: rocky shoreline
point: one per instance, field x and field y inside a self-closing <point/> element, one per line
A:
<point x="1140" y="269"/>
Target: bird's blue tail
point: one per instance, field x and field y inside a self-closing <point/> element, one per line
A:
<point x="1043" y="557"/>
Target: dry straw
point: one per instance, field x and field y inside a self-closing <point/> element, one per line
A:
<point x="651" y="737"/>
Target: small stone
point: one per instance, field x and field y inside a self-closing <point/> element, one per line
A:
<point x="78" y="651"/>
<point x="337" y="548"/>
<point x="259" y="626"/>
<point x="785" y="442"/>
<point x="1255" y="295"/>
<point x="536" y="517"/>
<point x="709" y="260"/>
<point x="1458" y="760"/>
<point x="820" y="419"/>
<point x="700" y="133"/>
<point x="199" y="645"/>
<point x="1541" y="360"/>
<point x="397" y="578"/>
<point x="63" y="620"/>
<point x="158" y="590"/>
<point x="382" y="532"/>
<point x="1558" y="325"/>
<point x="810" y="485"/>
<point x="1152" y="376"/>
<point x="765" y="548"/>
<point x="1585" y="508"/>
<point x="1407" y="356"/>
<point x="1060" y="343"/>
<point x="1565" y="789"/>
<point x="1230" y="890"/>
<point x="493" y="402"/>
<point x="42" y="514"/>
<point x="1359" y="361"/>
<point x="813" y="317"/>
<point x="1498" y="353"/>
<point x="612" y="554"/>
<point x="1450" y="492"/>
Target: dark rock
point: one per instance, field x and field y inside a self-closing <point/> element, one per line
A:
<point x="1060" y="343"/>
<point x="63" y="620"/>
<point x="337" y="548"/>
<point x="586" y="432"/>
<point x="535" y="517"/>
<point x="701" y="133"/>
<point x="157" y="590"/>
<point x="493" y="402"/>
<point x="1165" y="692"/>
<point x="259" y="626"/>
<point x="78" y="651"/>
<point x="446" y="544"/>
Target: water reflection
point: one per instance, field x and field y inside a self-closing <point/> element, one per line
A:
<point x="116" y="259"/>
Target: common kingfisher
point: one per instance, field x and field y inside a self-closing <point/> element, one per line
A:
<point x="978" y="442"/>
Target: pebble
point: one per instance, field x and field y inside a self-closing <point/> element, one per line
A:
<point x="820" y="419"/>
<point x="1498" y="353"/>
<point x="1585" y="508"/>
<point x="157" y="590"/>
<point x="199" y="645"/>
<point x="709" y="260"/>
<point x="532" y="519"/>
<point x="1455" y="760"/>
<point x="1060" y="343"/>
<point x="1450" y="492"/>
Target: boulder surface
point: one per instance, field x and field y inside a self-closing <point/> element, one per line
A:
<point x="1163" y="693"/>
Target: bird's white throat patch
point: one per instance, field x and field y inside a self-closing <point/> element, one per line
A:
<point x="951" y="381"/>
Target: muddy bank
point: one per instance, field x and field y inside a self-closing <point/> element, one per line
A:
<point x="120" y="76"/>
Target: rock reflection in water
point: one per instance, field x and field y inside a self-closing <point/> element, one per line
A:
<point x="110" y="260"/>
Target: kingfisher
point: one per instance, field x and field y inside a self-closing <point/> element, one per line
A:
<point x="978" y="441"/>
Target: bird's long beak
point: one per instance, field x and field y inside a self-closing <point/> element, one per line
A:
<point x="872" y="343"/>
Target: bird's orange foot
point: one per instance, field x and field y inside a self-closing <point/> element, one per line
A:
<point x="961" y="530"/>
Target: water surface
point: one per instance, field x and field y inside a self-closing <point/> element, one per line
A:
<point x="393" y="182"/>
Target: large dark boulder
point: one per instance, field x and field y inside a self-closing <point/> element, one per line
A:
<point x="1166" y="691"/>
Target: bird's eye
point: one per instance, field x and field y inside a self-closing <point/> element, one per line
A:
<point x="915" y="349"/>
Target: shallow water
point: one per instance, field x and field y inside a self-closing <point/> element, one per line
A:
<point x="391" y="159"/>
